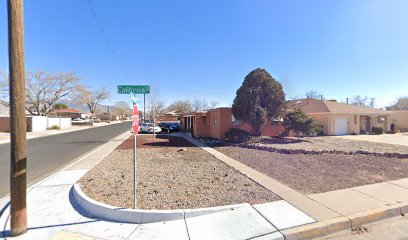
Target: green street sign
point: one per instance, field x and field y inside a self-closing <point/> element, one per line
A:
<point x="137" y="89"/>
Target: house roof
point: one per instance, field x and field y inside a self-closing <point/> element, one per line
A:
<point x="173" y="113"/>
<point x="310" y="105"/>
<point x="69" y="110"/>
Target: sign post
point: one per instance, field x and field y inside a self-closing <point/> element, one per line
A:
<point x="135" y="126"/>
<point x="134" y="89"/>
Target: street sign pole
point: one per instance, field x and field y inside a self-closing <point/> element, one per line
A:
<point x="18" y="138"/>
<point x="144" y="107"/>
<point x="135" y="126"/>
<point x="135" y="169"/>
<point x="134" y="89"/>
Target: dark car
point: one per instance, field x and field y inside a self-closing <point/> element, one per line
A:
<point x="176" y="126"/>
<point x="168" y="127"/>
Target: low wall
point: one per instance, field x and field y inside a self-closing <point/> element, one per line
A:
<point x="60" y="122"/>
<point x="5" y="124"/>
<point x="269" y="129"/>
<point x="38" y="123"/>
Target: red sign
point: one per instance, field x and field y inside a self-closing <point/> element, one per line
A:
<point x="135" y="118"/>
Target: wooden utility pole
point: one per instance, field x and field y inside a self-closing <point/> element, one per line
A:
<point x="18" y="150"/>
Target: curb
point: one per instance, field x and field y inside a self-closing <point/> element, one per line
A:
<point x="323" y="228"/>
<point x="374" y="215"/>
<point x="317" y="229"/>
<point x="126" y="215"/>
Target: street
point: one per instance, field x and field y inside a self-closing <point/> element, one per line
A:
<point x="48" y="154"/>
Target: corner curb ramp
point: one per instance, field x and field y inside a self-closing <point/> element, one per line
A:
<point x="327" y="223"/>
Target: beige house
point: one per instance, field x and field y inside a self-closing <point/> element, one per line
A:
<point x="399" y="120"/>
<point x="342" y="119"/>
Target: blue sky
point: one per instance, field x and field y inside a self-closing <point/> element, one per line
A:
<point x="204" y="49"/>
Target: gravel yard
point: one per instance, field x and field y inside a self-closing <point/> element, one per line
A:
<point x="318" y="173"/>
<point x="329" y="143"/>
<point x="172" y="174"/>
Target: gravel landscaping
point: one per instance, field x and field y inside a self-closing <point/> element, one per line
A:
<point x="336" y="144"/>
<point x="172" y="174"/>
<point x="316" y="173"/>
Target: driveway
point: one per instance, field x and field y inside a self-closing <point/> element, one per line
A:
<point x="398" y="138"/>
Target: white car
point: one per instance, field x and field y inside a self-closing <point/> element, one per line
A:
<point x="148" y="127"/>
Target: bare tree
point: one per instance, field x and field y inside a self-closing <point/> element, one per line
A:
<point x="213" y="104"/>
<point x="360" y="100"/>
<point x="43" y="90"/>
<point x="314" y="95"/>
<point x="181" y="106"/>
<point x="200" y="104"/>
<point x="400" y="104"/>
<point x="156" y="106"/>
<point x="91" y="98"/>
<point x="122" y="109"/>
<point x="293" y="98"/>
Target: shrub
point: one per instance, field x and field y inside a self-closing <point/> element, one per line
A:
<point x="54" y="127"/>
<point x="300" y="122"/>
<point x="377" y="130"/>
<point x="237" y="135"/>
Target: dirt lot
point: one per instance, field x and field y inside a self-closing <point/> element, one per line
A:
<point x="318" y="173"/>
<point x="172" y="174"/>
<point x="328" y="143"/>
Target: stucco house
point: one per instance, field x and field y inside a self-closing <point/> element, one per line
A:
<point x="69" y="112"/>
<point x="212" y="123"/>
<point x="172" y="116"/>
<point x="399" y="120"/>
<point x="215" y="123"/>
<point x="342" y="119"/>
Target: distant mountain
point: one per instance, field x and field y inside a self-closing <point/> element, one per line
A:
<point x="4" y="111"/>
<point x="84" y="108"/>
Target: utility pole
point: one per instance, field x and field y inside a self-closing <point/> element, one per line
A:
<point x="372" y="102"/>
<point x="18" y="146"/>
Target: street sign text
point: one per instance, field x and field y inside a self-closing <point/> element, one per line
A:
<point x="137" y="89"/>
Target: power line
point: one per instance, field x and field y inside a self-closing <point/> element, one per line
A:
<point x="105" y="36"/>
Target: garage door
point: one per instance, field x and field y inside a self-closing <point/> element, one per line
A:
<point x="341" y="126"/>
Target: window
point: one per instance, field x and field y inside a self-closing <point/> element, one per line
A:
<point x="215" y="120"/>
<point x="355" y="119"/>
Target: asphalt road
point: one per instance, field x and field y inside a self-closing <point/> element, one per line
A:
<point x="48" y="154"/>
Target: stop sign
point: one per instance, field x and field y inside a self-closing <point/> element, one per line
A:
<point x="135" y="120"/>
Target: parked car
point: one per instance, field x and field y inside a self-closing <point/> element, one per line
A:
<point x="96" y="120"/>
<point x="176" y="126"/>
<point x="148" y="128"/>
<point x="80" y="120"/>
<point x="168" y="127"/>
